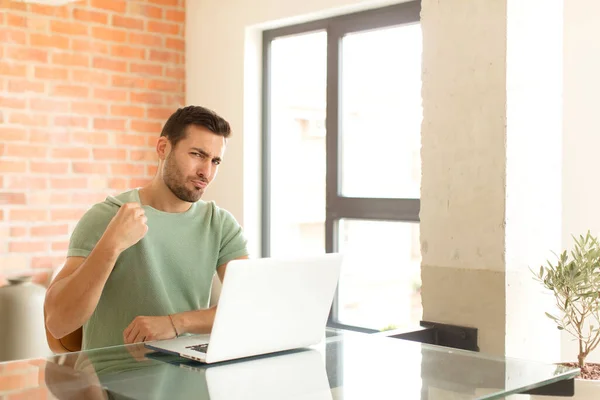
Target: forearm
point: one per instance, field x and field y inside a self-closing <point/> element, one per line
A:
<point x="197" y="321"/>
<point x="71" y="301"/>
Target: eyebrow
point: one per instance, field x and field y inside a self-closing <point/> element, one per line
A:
<point x="205" y="154"/>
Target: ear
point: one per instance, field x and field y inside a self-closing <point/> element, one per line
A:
<point x="163" y="147"/>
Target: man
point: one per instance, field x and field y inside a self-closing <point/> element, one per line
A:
<point x="140" y="265"/>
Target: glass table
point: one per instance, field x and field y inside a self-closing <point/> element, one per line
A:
<point x="345" y="365"/>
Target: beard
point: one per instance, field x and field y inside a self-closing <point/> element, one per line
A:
<point x="175" y="181"/>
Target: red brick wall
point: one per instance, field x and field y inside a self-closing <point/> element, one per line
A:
<point x="84" y="92"/>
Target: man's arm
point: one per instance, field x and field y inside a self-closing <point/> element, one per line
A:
<point x="74" y="294"/>
<point x="144" y="329"/>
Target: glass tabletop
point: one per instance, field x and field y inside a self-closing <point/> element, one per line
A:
<point x="345" y="365"/>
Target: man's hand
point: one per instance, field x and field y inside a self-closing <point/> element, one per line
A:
<point x="145" y="329"/>
<point x="127" y="227"/>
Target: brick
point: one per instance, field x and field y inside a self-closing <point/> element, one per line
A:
<point x="175" y="72"/>
<point x="28" y="215"/>
<point x="51" y="105"/>
<point x="127" y="169"/>
<point x="71" y="153"/>
<point x="151" y="170"/>
<point x="147" y="98"/>
<point x="93" y="77"/>
<point x="27" y="247"/>
<point x="38" y="24"/>
<point x="38" y="392"/>
<point x="109" y="64"/>
<point x="147" y="69"/>
<point x="68" y="183"/>
<point x="130" y="140"/>
<point x="28" y="119"/>
<point x="26" y="151"/>
<point x="109" y="124"/>
<point x="52" y="11"/>
<point x="16" y="21"/>
<point x="27" y="54"/>
<point x="12" y="134"/>
<point x="12" y="36"/>
<point x="175" y="16"/>
<point x="25" y="182"/>
<point x="145" y="10"/>
<point x="13" y="166"/>
<point x="145" y="39"/>
<point x="143" y="155"/>
<point x="48" y="136"/>
<point x="109" y="34"/>
<point x="170" y="3"/>
<point x="50" y="230"/>
<point x="161" y="113"/>
<point x="71" y="91"/>
<point x="18" y="231"/>
<point x="118" y="184"/>
<point x="52" y="41"/>
<point x="23" y="86"/>
<point x="71" y="121"/>
<point x="70" y="214"/>
<point x="49" y="167"/>
<point x="93" y="138"/>
<point x="69" y="28"/>
<point x="146" y="127"/>
<point x="89" y="168"/>
<point x="59" y="73"/>
<point x="127" y="111"/>
<point x="12" y="198"/>
<point x="48" y="198"/>
<point x="89" y="108"/>
<point x="109" y="154"/>
<point x="10" y="102"/>
<point x="163" y="27"/>
<point x="128" y="82"/>
<point x="168" y="57"/>
<point x="71" y="59"/>
<point x="128" y="23"/>
<point x="90" y="16"/>
<point x="175" y="44"/>
<point x="9" y="68"/>
<point x="90" y="46"/>
<point x="60" y="246"/>
<point x="163" y="85"/>
<point x="128" y="52"/>
<point x="119" y="6"/>
<point x="139" y="182"/>
<point x="110" y="94"/>
<point x="47" y="262"/>
<point x="88" y="198"/>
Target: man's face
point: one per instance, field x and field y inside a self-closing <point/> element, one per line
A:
<point x="193" y="163"/>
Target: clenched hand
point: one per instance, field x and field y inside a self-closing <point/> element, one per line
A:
<point x="146" y="329"/>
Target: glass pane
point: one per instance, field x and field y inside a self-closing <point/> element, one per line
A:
<point x="381" y="113"/>
<point x="298" y="97"/>
<point x="380" y="284"/>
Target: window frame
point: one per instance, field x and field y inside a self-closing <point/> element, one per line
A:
<point x="337" y="206"/>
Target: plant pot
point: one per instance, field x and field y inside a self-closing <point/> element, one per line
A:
<point x="585" y="389"/>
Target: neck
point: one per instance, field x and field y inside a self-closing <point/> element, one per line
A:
<point x="157" y="195"/>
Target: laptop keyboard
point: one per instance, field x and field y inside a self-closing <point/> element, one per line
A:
<point x="202" y="348"/>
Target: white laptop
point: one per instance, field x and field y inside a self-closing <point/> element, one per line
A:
<point x="266" y="305"/>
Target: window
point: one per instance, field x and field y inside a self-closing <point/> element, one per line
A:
<point x="341" y="156"/>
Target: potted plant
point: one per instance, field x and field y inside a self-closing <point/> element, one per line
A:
<point x="574" y="280"/>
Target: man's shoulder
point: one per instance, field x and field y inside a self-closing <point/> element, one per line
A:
<point x="108" y="208"/>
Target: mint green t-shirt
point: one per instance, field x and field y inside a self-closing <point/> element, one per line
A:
<point x="169" y="271"/>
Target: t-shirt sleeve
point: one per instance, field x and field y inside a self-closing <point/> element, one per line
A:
<point x="89" y="230"/>
<point x="233" y="242"/>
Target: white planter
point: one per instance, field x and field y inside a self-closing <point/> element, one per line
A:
<point x="584" y="390"/>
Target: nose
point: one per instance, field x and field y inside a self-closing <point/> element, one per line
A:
<point x="205" y="169"/>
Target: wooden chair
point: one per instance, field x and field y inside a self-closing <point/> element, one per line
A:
<point x="71" y="342"/>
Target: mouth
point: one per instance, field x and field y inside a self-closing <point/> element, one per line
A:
<point x="198" y="184"/>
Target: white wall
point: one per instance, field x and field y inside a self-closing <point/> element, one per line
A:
<point x="223" y="66"/>
<point x="581" y="141"/>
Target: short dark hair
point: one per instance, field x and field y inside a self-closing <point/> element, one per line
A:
<point x="175" y="127"/>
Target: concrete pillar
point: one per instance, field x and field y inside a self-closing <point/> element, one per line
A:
<point x="491" y="177"/>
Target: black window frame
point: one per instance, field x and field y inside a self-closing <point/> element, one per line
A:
<point x="337" y="206"/>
